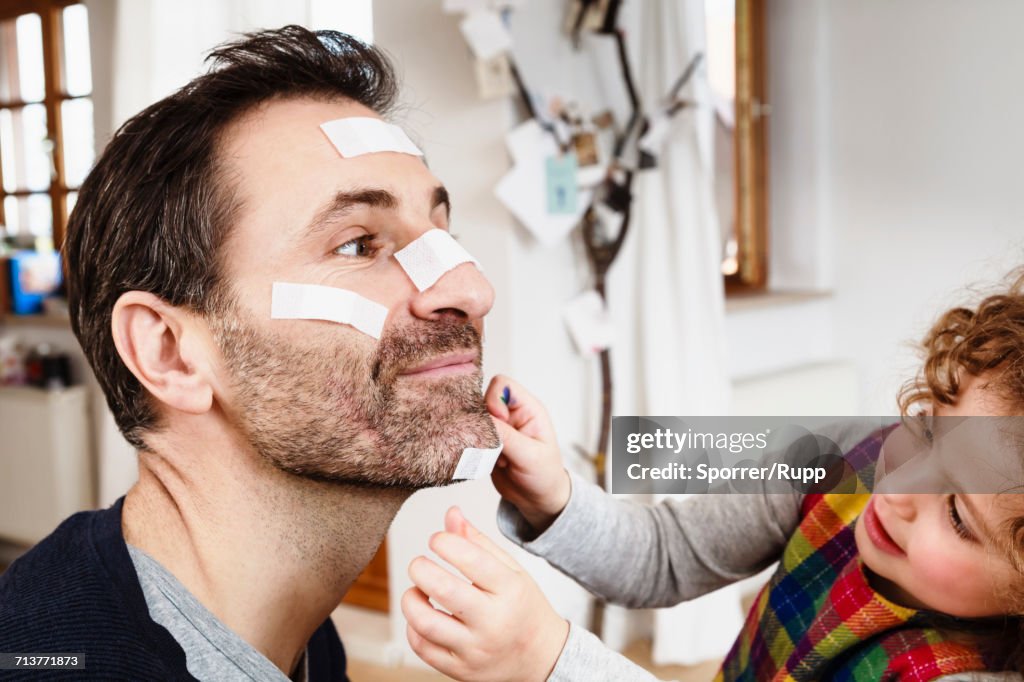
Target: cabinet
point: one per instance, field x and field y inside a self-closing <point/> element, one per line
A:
<point x="46" y="472"/>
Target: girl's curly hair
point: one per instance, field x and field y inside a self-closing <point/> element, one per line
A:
<point x="987" y="340"/>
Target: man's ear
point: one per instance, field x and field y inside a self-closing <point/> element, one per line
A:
<point x="162" y="347"/>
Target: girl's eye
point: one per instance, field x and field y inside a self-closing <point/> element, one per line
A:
<point x="954" y="519"/>
<point x="360" y="247"/>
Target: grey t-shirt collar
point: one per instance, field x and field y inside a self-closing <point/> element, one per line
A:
<point x="212" y="650"/>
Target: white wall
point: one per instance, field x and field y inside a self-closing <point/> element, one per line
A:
<point x="895" y="133"/>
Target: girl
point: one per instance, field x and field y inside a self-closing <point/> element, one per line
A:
<point x="869" y="587"/>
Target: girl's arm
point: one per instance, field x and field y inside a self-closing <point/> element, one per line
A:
<point x="648" y="556"/>
<point x="585" y="657"/>
<point x="633" y="554"/>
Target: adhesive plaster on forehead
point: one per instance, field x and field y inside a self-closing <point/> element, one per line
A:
<point x="476" y="463"/>
<point x="359" y="135"/>
<point x="430" y="256"/>
<point x="316" y="302"/>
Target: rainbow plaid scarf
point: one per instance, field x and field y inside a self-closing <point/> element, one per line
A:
<point x="818" y="618"/>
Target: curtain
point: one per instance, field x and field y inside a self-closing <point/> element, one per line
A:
<point x="146" y="49"/>
<point x="668" y="289"/>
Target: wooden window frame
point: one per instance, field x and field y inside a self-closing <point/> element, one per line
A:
<point x="54" y="95"/>
<point x="750" y="151"/>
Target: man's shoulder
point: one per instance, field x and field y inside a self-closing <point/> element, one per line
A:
<point x="67" y="595"/>
<point x="57" y="568"/>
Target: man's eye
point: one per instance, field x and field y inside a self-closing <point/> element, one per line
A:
<point x="360" y="247"/>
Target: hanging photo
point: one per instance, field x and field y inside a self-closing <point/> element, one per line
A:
<point x="561" y="183"/>
<point x="603" y="120"/>
<point x="494" y="77"/>
<point x="486" y="34"/>
<point x="584" y="143"/>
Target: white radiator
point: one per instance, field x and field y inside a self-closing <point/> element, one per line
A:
<point x="822" y="389"/>
<point x="45" y="472"/>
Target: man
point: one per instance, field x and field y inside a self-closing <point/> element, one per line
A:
<point x="273" y="453"/>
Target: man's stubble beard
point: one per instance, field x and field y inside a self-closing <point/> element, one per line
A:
<point x="344" y="416"/>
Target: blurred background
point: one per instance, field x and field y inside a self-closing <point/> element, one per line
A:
<point x="760" y="219"/>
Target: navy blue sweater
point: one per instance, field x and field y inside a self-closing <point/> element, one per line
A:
<point x="77" y="592"/>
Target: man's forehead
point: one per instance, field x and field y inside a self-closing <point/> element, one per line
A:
<point x="280" y="145"/>
<point x="282" y="122"/>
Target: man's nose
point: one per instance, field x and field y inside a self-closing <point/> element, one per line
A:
<point x="462" y="292"/>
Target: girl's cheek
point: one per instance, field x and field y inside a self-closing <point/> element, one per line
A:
<point x="946" y="579"/>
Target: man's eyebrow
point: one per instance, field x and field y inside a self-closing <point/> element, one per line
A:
<point x="344" y="201"/>
<point x="441" y="198"/>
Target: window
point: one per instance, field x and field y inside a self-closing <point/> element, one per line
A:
<point x="46" y="129"/>
<point x="736" y="68"/>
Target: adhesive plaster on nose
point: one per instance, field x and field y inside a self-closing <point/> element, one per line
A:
<point x="316" y="302"/>
<point x="430" y="256"/>
<point x="359" y="135"/>
<point x="476" y="463"/>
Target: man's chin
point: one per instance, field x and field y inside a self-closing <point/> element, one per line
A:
<point x="423" y="450"/>
<point x="477" y="432"/>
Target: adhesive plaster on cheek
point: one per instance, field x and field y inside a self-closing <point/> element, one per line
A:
<point x="476" y="463"/>
<point x="316" y="302"/>
<point x="363" y="135"/>
<point x="430" y="256"/>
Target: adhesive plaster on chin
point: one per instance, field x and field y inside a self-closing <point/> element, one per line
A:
<point x="316" y="302"/>
<point x="359" y="135"/>
<point x="476" y="463"/>
<point x="430" y="256"/>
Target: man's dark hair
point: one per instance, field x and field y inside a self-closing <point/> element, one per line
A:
<point x="153" y="213"/>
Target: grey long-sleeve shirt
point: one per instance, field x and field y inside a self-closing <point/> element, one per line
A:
<point x="644" y="556"/>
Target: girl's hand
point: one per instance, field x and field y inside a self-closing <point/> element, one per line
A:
<point x="530" y="473"/>
<point x="501" y="627"/>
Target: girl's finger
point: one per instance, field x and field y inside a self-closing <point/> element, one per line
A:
<point x="433" y="655"/>
<point x="462" y="600"/>
<point x="512" y="440"/>
<point x="454" y="521"/>
<point x="496" y="398"/>
<point x="487" y="571"/>
<point x="433" y="625"/>
<point x="525" y="412"/>
<point x="471" y="533"/>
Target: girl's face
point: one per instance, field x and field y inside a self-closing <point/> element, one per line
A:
<point x="939" y="552"/>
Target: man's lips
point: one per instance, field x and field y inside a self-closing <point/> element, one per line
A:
<point x="877" y="532"/>
<point x="452" y="363"/>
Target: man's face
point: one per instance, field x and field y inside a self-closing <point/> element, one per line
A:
<point x="321" y="399"/>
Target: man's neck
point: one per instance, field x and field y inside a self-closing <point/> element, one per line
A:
<point x="269" y="553"/>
